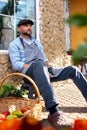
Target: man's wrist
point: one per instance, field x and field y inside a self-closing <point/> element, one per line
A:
<point x="26" y="65"/>
<point x="47" y="63"/>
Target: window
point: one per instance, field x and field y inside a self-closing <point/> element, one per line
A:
<point x="11" y="11"/>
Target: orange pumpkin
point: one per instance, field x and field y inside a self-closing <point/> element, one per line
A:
<point x="30" y="123"/>
<point x="49" y="128"/>
<point x="12" y="124"/>
<point x="80" y="124"/>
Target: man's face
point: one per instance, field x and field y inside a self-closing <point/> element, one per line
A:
<point x="25" y="30"/>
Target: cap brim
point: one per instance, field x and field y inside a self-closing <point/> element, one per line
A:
<point x="24" y="22"/>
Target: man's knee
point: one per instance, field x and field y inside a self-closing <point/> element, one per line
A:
<point x="73" y="71"/>
<point x="38" y="64"/>
<point x="70" y="70"/>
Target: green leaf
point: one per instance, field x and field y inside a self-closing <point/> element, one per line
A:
<point x="5" y="90"/>
<point x="80" y="54"/>
<point x="9" y="90"/>
<point x="77" y="20"/>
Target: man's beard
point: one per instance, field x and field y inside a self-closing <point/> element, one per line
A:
<point x="25" y="34"/>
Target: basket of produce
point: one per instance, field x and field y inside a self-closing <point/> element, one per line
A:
<point x="13" y="99"/>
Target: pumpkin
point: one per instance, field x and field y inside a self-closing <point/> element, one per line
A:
<point x="12" y="124"/>
<point x="30" y="123"/>
<point x="80" y="124"/>
<point x="49" y="128"/>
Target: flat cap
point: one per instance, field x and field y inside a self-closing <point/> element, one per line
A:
<point x="25" y="21"/>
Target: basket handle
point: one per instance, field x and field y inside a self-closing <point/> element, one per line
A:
<point x="28" y="78"/>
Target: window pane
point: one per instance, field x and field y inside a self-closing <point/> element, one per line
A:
<point x="7" y="7"/>
<point x="25" y="8"/>
<point x="3" y="3"/>
<point x="6" y="32"/>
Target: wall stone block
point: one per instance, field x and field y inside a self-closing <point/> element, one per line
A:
<point x="6" y="68"/>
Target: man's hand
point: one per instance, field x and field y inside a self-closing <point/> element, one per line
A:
<point x="51" y="70"/>
<point x="47" y="63"/>
<point x="26" y="66"/>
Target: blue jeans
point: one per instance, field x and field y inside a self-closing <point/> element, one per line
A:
<point x="36" y="72"/>
<point x="73" y="73"/>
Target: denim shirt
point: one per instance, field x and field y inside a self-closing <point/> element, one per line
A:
<point x="17" y="53"/>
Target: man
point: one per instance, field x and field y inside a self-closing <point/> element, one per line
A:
<point x="27" y="56"/>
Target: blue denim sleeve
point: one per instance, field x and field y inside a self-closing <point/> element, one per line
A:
<point x="16" y="59"/>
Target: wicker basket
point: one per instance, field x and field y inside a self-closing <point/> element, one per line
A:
<point x="35" y="105"/>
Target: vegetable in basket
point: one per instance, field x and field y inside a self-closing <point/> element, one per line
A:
<point x="8" y="90"/>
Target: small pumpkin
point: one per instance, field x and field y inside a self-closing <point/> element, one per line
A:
<point x="30" y="123"/>
<point x="49" y="128"/>
<point x="80" y="124"/>
<point x="12" y="124"/>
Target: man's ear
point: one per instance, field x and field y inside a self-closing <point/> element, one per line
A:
<point x="18" y="29"/>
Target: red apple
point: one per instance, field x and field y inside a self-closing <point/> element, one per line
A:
<point x="2" y="117"/>
<point x="24" y="109"/>
<point x="6" y="113"/>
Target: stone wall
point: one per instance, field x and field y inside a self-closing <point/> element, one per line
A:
<point x="6" y="68"/>
<point x="52" y="32"/>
